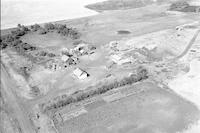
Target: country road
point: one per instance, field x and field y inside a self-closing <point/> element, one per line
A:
<point x="189" y="45"/>
<point x="7" y="85"/>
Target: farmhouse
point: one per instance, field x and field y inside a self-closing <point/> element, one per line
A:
<point x="80" y="74"/>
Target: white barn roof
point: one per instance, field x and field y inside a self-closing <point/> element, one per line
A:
<point x="64" y="58"/>
<point x="80" y="73"/>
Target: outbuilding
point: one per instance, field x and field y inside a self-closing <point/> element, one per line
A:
<point x="80" y="74"/>
<point x="64" y="58"/>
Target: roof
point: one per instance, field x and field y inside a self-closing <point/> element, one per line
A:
<point x="124" y="61"/>
<point x="80" y="73"/>
<point x="81" y="45"/>
<point x="116" y="57"/>
<point x="64" y="57"/>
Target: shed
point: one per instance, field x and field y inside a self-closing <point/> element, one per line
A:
<point x="124" y="61"/>
<point x="80" y="73"/>
<point x="64" y="58"/>
<point x="116" y="58"/>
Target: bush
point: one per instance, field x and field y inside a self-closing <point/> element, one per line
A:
<point x="18" y="33"/>
<point x="60" y="27"/>
<point x="49" y="26"/>
<point x="24" y="28"/>
<point x="27" y="46"/>
<point x="51" y="55"/>
<point x="16" y="43"/>
<point x="179" y="5"/>
<point x="63" y="30"/>
<point x="42" y="31"/>
<point x="35" y="27"/>
<point x="24" y="71"/>
<point x="7" y="38"/>
<point x="3" y="45"/>
<point x="142" y="72"/>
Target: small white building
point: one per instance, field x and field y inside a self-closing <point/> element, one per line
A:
<point x="119" y="60"/>
<point x="113" y="44"/>
<point x="151" y="46"/>
<point x="64" y="58"/>
<point x="124" y="61"/>
<point x="115" y="58"/>
<point x="80" y="74"/>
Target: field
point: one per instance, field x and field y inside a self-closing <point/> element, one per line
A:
<point x="153" y="110"/>
<point x="123" y="4"/>
<point x="128" y="61"/>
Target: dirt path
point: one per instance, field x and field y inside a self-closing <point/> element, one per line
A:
<point x="189" y="45"/>
<point x="22" y="116"/>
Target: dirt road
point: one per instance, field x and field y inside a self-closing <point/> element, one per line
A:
<point x="7" y="85"/>
<point x="189" y="45"/>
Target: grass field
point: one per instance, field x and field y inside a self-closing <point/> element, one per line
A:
<point x="50" y="40"/>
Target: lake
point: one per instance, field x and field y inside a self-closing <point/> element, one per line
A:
<point x="29" y="12"/>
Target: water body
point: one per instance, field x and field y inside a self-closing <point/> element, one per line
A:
<point x="29" y="12"/>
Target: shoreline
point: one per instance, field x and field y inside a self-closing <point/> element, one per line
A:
<point x="81" y="11"/>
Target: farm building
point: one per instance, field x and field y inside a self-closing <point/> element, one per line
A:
<point x="119" y="60"/>
<point x="115" y="58"/>
<point x="83" y="49"/>
<point x="80" y="74"/>
<point x="113" y="44"/>
<point x="64" y="58"/>
<point x="124" y="61"/>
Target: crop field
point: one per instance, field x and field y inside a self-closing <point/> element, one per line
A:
<point x="153" y="110"/>
<point x="73" y="114"/>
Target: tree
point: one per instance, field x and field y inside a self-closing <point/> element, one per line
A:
<point x="16" y="42"/>
<point x="19" y="25"/>
<point x="142" y="73"/>
<point x="49" y="26"/>
<point x="18" y="32"/>
<point x="177" y="6"/>
<point x="3" y="45"/>
<point x="35" y="27"/>
<point x="24" y="28"/>
<point x="60" y="27"/>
